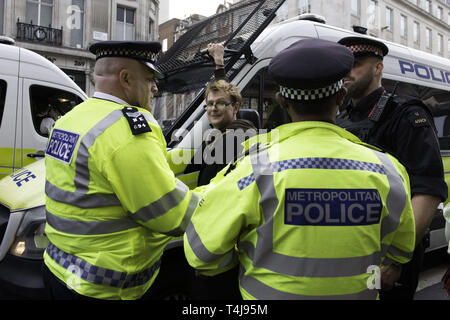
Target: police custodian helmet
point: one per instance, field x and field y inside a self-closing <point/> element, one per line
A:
<point x="362" y="46"/>
<point x="311" y="69"/>
<point x="146" y="52"/>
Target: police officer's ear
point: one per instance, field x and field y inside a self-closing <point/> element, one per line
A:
<point x="340" y="96"/>
<point x="124" y="78"/>
<point x="379" y="66"/>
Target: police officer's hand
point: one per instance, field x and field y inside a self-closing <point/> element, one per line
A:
<point x="389" y="275"/>
<point x="216" y="51"/>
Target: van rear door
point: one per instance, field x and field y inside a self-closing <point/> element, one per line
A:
<point x="9" y="159"/>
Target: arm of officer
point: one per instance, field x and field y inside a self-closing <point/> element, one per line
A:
<point x="224" y="213"/>
<point x="424" y="207"/>
<point x="147" y="188"/>
<point x="418" y="148"/>
<point x="398" y="231"/>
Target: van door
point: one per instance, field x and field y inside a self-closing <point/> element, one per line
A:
<point x="8" y="121"/>
<point x="43" y="104"/>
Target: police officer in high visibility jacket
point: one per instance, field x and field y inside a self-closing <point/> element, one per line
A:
<point x="112" y="201"/>
<point x="315" y="212"/>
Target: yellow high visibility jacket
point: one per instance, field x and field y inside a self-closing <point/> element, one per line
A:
<point x="311" y="216"/>
<point x="112" y="201"/>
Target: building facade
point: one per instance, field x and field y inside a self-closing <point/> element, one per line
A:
<point x="63" y="30"/>
<point x="420" y="24"/>
<point x="171" y="30"/>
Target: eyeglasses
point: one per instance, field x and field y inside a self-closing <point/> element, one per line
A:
<point x="218" y="104"/>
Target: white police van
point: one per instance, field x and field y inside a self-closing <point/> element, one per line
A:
<point x="248" y="54"/>
<point x="31" y="89"/>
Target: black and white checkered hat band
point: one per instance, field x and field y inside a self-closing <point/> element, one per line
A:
<point x="128" y="53"/>
<point x="311" y="94"/>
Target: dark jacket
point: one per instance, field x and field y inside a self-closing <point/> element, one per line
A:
<point x="405" y="130"/>
<point x="220" y="151"/>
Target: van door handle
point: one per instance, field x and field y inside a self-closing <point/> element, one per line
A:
<point x="38" y="154"/>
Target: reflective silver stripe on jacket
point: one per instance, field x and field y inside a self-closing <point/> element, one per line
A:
<point x="202" y="253"/>
<point x="198" y="247"/>
<point x="116" y="225"/>
<point x="98" y="275"/>
<point x="261" y="291"/>
<point x="162" y="205"/>
<point x="396" y="199"/>
<point x="167" y="202"/>
<point x="396" y="251"/>
<point x="90" y="227"/>
<point x="81" y="179"/>
<point x="311" y="267"/>
<point x="179" y="231"/>
<point x="395" y="202"/>
<point x="263" y="255"/>
<point x="81" y="200"/>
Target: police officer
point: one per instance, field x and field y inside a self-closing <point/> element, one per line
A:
<point x="112" y="201"/>
<point x="402" y="126"/>
<point x="313" y="212"/>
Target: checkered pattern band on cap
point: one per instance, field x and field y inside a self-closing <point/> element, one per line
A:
<point x="311" y="94"/>
<point x="127" y="53"/>
<point x="360" y="48"/>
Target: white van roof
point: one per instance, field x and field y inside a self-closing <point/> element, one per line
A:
<point x="402" y="63"/>
<point x="33" y="66"/>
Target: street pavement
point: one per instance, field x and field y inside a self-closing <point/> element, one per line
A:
<point x="430" y="285"/>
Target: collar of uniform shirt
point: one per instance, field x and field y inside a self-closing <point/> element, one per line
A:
<point x="362" y="109"/>
<point x="106" y="96"/>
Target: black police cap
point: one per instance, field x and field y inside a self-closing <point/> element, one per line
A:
<point x="362" y="46"/>
<point x="146" y="52"/>
<point x="311" y="69"/>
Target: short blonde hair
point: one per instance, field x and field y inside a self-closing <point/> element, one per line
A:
<point x="225" y="87"/>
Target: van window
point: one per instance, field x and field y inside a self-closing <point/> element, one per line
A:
<point x="48" y="104"/>
<point x="2" y="99"/>
<point x="259" y="94"/>
<point x="436" y="99"/>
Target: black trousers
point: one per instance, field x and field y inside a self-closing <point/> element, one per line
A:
<point x="409" y="278"/>
<point x="224" y="286"/>
<point x="58" y="290"/>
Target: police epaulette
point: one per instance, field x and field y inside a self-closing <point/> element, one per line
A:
<point x="253" y="149"/>
<point x="136" y="120"/>
<point x="379" y="108"/>
<point x="381" y="104"/>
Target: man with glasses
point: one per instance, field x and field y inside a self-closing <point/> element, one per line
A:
<point x="222" y="103"/>
<point x="221" y="146"/>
